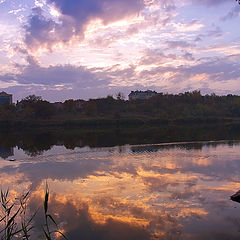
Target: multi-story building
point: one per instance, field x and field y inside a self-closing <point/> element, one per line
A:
<point x="134" y="95"/>
<point x="5" y="98"/>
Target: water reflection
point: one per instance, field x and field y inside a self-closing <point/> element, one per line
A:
<point x="175" y="191"/>
<point x="6" y="152"/>
<point x="35" y="142"/>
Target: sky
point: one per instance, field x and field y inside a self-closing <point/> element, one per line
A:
<point x="81" y="49"/>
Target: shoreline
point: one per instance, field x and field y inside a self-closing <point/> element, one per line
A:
<point x="113" y="122"/>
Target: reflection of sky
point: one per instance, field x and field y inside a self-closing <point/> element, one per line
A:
<point x="170" y="192"/>
<point x="19" y="154"/>
<point x="6" y="152"/>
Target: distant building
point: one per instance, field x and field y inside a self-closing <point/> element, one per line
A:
<point x="5" y="98"/>
<point x="134" y="95"/>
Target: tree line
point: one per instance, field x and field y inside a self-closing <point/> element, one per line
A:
<point x="162" y="106"/>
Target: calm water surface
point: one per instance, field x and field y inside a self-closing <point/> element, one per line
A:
<point x="164" y="191"/>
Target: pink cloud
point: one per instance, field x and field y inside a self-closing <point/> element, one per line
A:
<point x="73" y="19"/>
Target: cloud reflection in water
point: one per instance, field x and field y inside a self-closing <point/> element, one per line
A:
<point x="144" y="192"/>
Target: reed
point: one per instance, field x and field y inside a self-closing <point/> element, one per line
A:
<point x="48" y="218"/>
<point x="15" y="222"/>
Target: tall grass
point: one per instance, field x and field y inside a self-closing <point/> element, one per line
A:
<point x="48" y="218"/>
<point x="11" y="214"/>
<point x="14" y="222"/>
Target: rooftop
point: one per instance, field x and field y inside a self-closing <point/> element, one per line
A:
<point x="4" y="94"/>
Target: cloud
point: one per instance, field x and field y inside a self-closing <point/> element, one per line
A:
<point x="107" y="10"/>
<point x="79" y="223"/>
<point x="36" y="173"/>
<point x="219" y="69"/>
<point x="216" y="32"/>
<point x="216" y="70"/>
<point x="7" y="78"/>
<point x="234" y="13"/>
<point x="188" y="56"/>
<point x="74" y="16"/>
<point x="158" y="57"/>
<point x="210" y="3"/>
<point x="30" y="59"/>
<point x="40" y="31"/>
<point x="65" y="75"/>
<point x="182" y="73"/>
<point x="178" y="44"/>
<point x="57" y="75"/>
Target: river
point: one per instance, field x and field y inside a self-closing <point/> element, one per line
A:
<point x="170" y="190"/>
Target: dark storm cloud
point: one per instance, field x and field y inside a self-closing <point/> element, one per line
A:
<point x="74" y="16"/>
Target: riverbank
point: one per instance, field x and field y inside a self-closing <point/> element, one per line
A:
<point x="37" y="138"/>
<point x="113" y="122"/>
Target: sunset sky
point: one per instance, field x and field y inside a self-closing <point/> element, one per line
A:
<point x="61" y="49"/>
